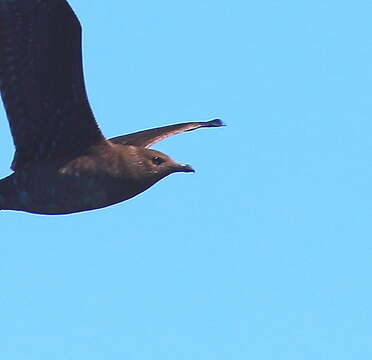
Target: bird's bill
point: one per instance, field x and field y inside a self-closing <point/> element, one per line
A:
<point x="183" y="168"/>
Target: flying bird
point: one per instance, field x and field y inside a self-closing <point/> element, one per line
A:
<point x="62" y="163"/>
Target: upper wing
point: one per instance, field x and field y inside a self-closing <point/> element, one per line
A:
<point x="41" y="80"/>
<point x="146" y="138"/>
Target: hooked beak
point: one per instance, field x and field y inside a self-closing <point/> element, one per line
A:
<point x="184" y="168"/>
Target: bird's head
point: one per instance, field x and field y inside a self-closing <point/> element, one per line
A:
<point x="156" y="164"/>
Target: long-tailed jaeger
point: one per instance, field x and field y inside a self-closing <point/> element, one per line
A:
<point x="62" y="163"/>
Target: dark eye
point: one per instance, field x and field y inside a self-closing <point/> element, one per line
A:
<point x="157" y="160"/>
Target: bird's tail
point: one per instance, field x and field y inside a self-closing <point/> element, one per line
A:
<point x="1" y="202"/>
<point x="2" y="196"/>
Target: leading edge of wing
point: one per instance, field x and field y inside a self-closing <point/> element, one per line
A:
<point x="41" y="80"/>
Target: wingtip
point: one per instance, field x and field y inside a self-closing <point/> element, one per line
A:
<point x="214" y="123"/>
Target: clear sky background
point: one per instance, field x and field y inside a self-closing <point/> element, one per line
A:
<point x="266" y="251"/>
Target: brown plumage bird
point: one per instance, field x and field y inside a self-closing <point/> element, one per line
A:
<point x="63" y="164"/>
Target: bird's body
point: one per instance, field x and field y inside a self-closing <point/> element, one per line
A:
<point x="63" y="164"/>
<point x="106" y="175"/>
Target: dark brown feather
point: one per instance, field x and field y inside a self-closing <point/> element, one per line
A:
<point x="63" y="164"/>
<point x="41" y="81"/>
<point x="149" y="137"/>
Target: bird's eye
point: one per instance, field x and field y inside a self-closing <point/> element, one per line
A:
<point x="157" y="160"/>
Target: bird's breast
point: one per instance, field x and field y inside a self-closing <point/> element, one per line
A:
<point x="81" y="184"/>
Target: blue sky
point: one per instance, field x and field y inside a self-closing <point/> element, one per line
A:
<point x="265" y="252"/>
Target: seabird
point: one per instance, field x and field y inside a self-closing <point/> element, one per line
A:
<point x="63" y="164"/>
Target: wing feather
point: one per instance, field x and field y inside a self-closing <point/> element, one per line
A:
<point x="41" y="81"/>
<point x="149" y="137"/>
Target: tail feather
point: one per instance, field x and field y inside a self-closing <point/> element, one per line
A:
<point x="2" y="195"/>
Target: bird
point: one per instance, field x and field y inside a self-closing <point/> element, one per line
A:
<point x="63" y="163"/>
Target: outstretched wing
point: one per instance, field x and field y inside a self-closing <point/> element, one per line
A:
<point x="41" y="81"/>
<point x="146" y="138"/>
